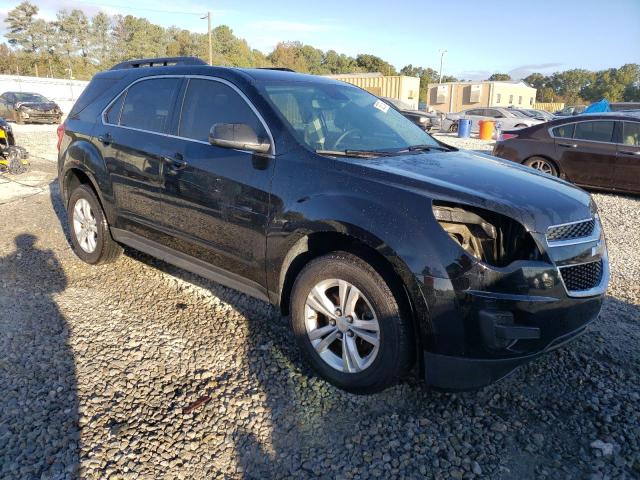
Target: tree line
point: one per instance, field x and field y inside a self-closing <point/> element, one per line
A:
<point x="75" y="45"/>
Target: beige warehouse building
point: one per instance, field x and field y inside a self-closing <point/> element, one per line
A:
<point x="401" y="87"/>
<point x="456" y="96"/>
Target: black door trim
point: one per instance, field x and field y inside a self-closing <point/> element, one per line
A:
<point x="191" y="264"/>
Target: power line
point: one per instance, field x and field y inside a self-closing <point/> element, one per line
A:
<point x="142" y="9"/>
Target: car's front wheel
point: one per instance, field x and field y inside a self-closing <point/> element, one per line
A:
<point x="90" y="236"/>
<point x="349" y="325"/>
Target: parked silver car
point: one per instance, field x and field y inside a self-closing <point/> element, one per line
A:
<point x="508" y="118"/>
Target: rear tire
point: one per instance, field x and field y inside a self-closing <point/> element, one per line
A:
<point x="361" y="313"/>
<point x="453" y="128"/>
<point x="543" y="165"/>
<point x="90" y="236"/>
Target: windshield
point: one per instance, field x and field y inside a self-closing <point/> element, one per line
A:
<point x="343" y="118"/>
<point x="29" y="97"/>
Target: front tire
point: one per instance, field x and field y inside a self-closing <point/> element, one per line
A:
<point x="348" y="324"/>
<point x="90" y="236"/>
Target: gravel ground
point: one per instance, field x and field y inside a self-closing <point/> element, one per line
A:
<point x="140" y="370"/>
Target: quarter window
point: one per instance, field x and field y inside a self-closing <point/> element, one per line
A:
<point x="564" y="131"/>
<point x="208" y="102"/>
<point x="596" y="131"/>
<point x="631" y="133"/>
<point x="148" y="104"/>
<point x="113" y="114"/>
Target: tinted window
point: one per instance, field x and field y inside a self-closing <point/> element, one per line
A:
<point x="631" y="133"/>
<point x="96" y="87"/>
<point x="209" y="102"/>
<point x="492" y="113"/>
<point x="564" y="131"/>
<point x="113" y="114"/>
<point x="597" y="131"/>
<point x="474" y="112"/>
<point x="148" y="103"/>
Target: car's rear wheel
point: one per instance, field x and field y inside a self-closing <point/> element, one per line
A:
<point x="348" y="324"/>
<point x="453" y="128"/>
<point x="543" y="165"/>
<point x="90" y="236"/>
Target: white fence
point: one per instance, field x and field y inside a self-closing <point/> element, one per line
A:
<point x="62" y="91"/>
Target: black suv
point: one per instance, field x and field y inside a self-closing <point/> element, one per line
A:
<point x="390" y="251"/>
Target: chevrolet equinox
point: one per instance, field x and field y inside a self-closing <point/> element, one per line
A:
<point x="390" y="251"/>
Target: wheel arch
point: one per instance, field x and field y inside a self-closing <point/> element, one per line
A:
<point x="391" y="267"/>
<point x="83" y="164"/>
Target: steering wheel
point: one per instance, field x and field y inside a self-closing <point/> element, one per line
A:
<point x="346" y="134"/>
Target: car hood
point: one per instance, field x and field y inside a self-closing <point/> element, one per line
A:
<point x="535" y="199"/>
<point x="41" y="106"/>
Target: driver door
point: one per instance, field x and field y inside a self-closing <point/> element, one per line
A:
<point x="217" y="199"/>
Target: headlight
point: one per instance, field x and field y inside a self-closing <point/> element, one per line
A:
<point x="488" y="236"/>
<point x="423" y="120"/>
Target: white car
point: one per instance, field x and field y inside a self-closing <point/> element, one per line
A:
<point x="507" y="118"/>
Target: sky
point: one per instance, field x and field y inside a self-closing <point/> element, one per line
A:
<point x="508" y="36"/>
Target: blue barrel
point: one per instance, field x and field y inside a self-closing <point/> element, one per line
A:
<point x="464" y="128"/>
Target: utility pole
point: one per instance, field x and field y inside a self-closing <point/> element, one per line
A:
<point x="442" y="52"/>
<point x="208" y="17"/>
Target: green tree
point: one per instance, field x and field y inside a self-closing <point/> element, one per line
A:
<point x="21" y="33"/>
<point x="500" y="77"/>
<point x="372" y="63"/>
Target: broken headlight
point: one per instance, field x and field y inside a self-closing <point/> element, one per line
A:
<point x="488" y="236"/>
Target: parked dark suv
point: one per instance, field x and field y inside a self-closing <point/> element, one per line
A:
<point x="390" y="251"/>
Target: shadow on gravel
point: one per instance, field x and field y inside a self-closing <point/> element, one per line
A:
<point x="538" y="422"/>
<point x="39" y="433"/>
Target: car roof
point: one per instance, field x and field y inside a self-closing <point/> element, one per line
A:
<point x="253" y="75"/>
<point x="634" y="116"/>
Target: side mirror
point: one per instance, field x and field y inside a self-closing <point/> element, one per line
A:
<point x="239" y="136"/>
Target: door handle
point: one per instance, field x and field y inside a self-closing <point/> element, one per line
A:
<point x="630" y="152"/>
<point x="568" y="145"/>
<point x="105" y="139"/>
<point x="175" y="163"/>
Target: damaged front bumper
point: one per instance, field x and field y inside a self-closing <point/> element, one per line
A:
<point x="486" y="321"/>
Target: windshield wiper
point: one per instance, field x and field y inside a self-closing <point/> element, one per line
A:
<point x="355" y="153"/>
<point x="426" y="148"/>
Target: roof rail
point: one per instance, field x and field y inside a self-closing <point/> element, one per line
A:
<point x="280" y="69"/>
<point x="158" y="62"/>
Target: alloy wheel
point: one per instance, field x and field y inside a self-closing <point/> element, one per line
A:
<point x="342" y="326"/>
<point x="85" y="226"/>
<point x="543" y="166"/>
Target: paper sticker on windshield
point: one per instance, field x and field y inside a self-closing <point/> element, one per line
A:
<point x="380" y="105"/>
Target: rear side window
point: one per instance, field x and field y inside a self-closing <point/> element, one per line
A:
<point x="564" y="131"/>
<point x="596" y="131"/>
<point x="148" y="103"/>
<point x="631" y="133"/>
<point x="112" y="115"/>
<point x="96" y="87"/>
<point x="208" y="102"/>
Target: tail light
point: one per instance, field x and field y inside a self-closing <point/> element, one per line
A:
<point x="60" y="132"/>
<point x="507" y="136"/>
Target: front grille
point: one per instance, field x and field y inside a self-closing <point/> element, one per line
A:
<point x="571" y="231"/>
<point x="582" y="277"/>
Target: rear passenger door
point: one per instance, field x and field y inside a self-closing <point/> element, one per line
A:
<point x="589" y="157"/>
<point x="218" y="203"/>
<point x="628" y="157"/>
<point x="136" y="149"/>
